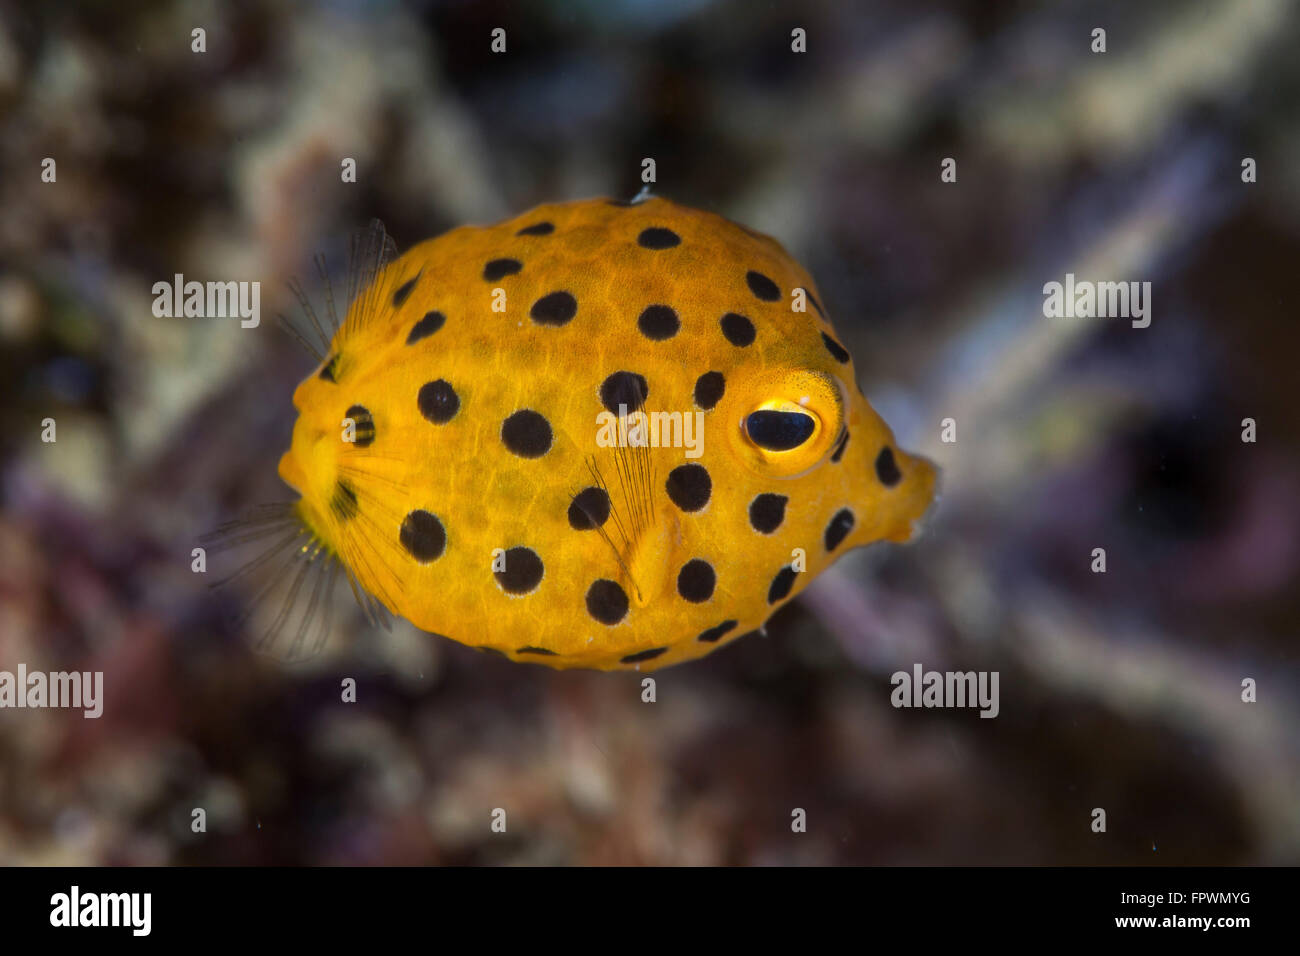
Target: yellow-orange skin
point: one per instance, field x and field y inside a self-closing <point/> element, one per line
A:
<point x="499" y="361"/>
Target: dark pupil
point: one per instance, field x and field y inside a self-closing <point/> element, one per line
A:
<point x="779" y="431"/>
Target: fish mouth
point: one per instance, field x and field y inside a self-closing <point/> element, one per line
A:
<point x="920" y="489"/>
<point x="291" y="472"/>
<point x="924" y="521"/>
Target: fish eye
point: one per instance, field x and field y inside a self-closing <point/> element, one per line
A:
<point x="786" y="420"/>
<point x="778" y="429"/>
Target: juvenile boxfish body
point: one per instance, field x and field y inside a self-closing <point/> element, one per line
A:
<point x="601" y="434"/>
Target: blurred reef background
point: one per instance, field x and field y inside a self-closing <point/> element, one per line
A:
<point x="1119" y="690"/>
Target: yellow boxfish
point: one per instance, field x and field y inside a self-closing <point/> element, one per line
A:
<point x="602" y="434"/>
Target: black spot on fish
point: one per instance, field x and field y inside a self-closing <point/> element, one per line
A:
<point x="589" y="509"/>
<point x="762" y="287"/>
<point x="813" y="299"/>
<point x="431" y="323"/>
<point x="689" y="487"/>
<point x="606" y="601"/>
<point x="555" y="308"/>
<point x="500" y="268"/>
<point x="838" y="453"/>
<point x="523" y="571"/>
<point x="766" y="512"/>
<point x="781" y="584"/>
<point x="709" y="388"/>
<point x="887" y="469"/>
<point x="423" y="536"/>
<point x="527" y="434"/>
<point x="838" y="352"/>
<point x="696" y="581"/>
<point x="658" y="238"/>
<point x="643" y="655"/>
<point x="658" y="322"/>
<point x="838" y="528"/>
<point x="404" y="291"/>
<point x="438" y="401"/>
<point x="537" y="229"/>
<point x="363" y="425"/>
<point x="737" y="328"/>
<point x="624" y="388"/>
<point x="717" y="631"/>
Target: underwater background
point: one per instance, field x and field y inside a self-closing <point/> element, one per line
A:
<point x="1120" y="690"/>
